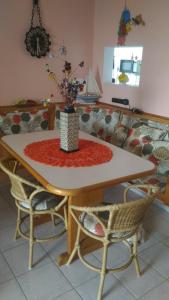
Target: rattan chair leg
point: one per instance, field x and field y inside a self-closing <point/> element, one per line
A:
<point x="53" y="219"/>
<point x="103" y="271"/>
<point x="135" y="256"/>
<point x="65" y="216"/>
<point x="31" y="240"/>
<point x="18" y="221"/>
<point x="75" y="247"/>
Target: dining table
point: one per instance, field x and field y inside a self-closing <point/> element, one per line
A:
<point x="83" y="175"/>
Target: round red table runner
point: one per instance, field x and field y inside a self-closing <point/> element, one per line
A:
<point x="48" y="152"/>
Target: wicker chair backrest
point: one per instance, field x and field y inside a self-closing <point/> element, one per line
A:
<point x="123" y="217"/>
<point x="18" y="184"/>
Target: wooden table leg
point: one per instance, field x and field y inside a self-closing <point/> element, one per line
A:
<point x="91" y="198"/>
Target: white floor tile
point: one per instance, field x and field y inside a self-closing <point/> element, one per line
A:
<point x="45" y="283"/>
<point x="158" y="257"/>
<point x="157" y="226"/>
<point x="117" y="253"/>
<point x="17" y="258"/>
<point x="7" y="218"/>
<point x="48" y="282"/>
<point x="72" y="295"/>
<point x="5" y="272"/>
<point x="161" y="292"/>
<point x="148" y="242"/>
<point x="160" y="211"/>
<point x="7" y="240"/>
<point x="11" y="291"/>
<point x="77" y="273"/>
<point x="153" y="210"/>
<point x="56" y="247"/>
<point x="138" y="286"/>
<point x="113" y="290"/>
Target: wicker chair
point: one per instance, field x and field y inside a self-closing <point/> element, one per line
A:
<point x="111" y="224"/>
<point x="33" y="200"/>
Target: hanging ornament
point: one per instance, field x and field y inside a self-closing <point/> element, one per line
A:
<point x="126" y="23"/>
<point x="123" y="78"/>
<point x="124" y="26"/>
<point x="138" y="20"/>
<point x="63" y="49"/>
<point x="37" y="39"/>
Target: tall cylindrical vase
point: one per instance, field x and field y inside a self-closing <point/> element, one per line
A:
<point x="69" y="131"/>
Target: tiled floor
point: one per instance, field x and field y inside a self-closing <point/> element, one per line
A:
<point x="46" y="281"/>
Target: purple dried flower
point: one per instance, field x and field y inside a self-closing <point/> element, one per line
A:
<point x="81" y="65"/>
<point x="69" y="85"/>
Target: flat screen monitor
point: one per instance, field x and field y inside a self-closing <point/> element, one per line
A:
<point x="126" y="66"/>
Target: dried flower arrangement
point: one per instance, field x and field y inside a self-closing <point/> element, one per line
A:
<point x="68" y="86"/>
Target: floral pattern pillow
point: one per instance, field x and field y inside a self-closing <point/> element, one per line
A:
<point x="158" y="153"/>
<point x="22" y="122"/>
<point x="119" y="136"/>
<point x="100" y="122"/>
<point x="91" y="224"/>
<point x="139" y="136"/>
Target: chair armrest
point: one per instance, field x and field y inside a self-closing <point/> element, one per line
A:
<point x="150" y="189"/>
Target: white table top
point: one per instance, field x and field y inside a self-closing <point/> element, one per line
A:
<point x="123" y="166"/>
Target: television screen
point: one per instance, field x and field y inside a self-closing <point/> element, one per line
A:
<point x="126" y="66"/>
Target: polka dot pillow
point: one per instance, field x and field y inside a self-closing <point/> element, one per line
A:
<point x="139" y="136"/>
<point x="22" y="122"/>
<point x="158" y="153"/>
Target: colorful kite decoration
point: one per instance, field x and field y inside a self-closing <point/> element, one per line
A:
<point x="126" y="23"/>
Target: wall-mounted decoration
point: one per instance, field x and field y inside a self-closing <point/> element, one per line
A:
<point x="60" y="50"/>
<point x="126" y="24"/>
<point x="37" y="39"/>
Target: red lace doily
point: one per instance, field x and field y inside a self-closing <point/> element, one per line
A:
<point x="48" y="152"/>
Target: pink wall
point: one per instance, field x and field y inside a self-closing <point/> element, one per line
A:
<point x="22" y="76"/>
<point x="152" y="95"/>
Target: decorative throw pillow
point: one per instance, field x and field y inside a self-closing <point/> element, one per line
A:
<point x="22" y="122"/>
<point x="140" y="136"/>
<point x="91" y="224"/>
<point x="158" y="153"/>
<point x="119" y="136"/>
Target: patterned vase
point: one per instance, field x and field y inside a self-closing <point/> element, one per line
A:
<point x="69" y="131"/>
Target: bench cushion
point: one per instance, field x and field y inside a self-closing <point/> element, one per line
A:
<point x="158" y="153"/>
<point x="140" y="136"/>
<point x="99" y="122"/>
<point x="22" y="122"/>
<point x="143" y="137"/>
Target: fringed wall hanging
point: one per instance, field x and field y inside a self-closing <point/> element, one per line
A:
<point x="37" y="39"/>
